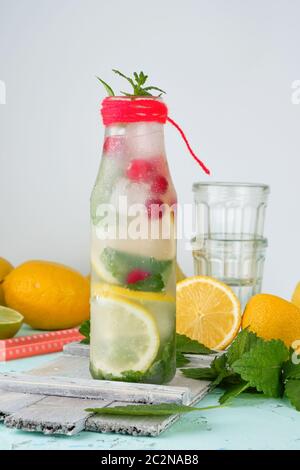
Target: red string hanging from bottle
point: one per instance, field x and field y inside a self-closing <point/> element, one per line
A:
<point x="140" y="109"/>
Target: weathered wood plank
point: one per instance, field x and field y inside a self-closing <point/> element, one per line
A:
<point x="11" y="402"/>
<point x="64" y="366"/>
<point x="59" y="392"/>
<point x="83" y="350"/>
<point x="54" y="415"/>
<point x="78" y="366"/>
<point x="196" y="387"/>
<point x="133" y="425"/>
<point x="138" y="425"/>
<point x="77" y="349"/>
<point x="89" y="388"/>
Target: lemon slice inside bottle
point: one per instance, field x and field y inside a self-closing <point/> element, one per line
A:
<point x="161" y="306"/>
<point x="125" y="336"/>
<point x="101" y="271"/>
<point x="10" y="322"/>
<point x="103" y="289"/>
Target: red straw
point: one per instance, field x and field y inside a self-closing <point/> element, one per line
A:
<point x="37" y="344"/>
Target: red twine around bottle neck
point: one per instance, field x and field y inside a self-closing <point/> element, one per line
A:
<point x="121" y="109"/>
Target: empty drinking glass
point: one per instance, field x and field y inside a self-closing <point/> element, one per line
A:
<point x="229" y="243"/>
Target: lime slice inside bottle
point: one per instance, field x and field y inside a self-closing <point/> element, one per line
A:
<point x="10" y="322"/>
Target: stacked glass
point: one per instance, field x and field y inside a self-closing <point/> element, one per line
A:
<point x="229" y="243"/>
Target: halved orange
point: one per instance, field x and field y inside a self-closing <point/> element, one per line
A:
<point x="208" y="311"/>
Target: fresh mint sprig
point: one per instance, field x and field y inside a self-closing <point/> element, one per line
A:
<point x="233" y="391"/>
<point x="163" y="409"/>
<point x="187" y="345"/>
<point x="253" y="364"/>
<point x="262" y="366"/>
<point x="292" y="391"/>
<point x="181" y="360"/>
<point x="108" y="88"/>
<point x="85" y="329"/>
<point x="137" y="83"/>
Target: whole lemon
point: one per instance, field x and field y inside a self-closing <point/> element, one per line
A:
<point x="5" y="268"/>
<point x="179" y="273"/>
<point x="272" y="317"/>
<point x="49" y="295"/>
<point x="296" y="295"/>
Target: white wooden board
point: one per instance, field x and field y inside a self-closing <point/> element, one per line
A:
<point x="94" y="389"/>
<point x="11" y="402"/>
<point x="52" y="398"/>
<point x="54" y="415"/>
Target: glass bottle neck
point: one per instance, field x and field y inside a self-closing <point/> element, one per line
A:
<point x="135" y="129"/>
<point x="138" y="139"/>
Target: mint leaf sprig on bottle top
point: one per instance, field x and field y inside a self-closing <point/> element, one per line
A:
<point x="137" y="82"/>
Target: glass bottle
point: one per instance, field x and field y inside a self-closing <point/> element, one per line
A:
<point x="133" y="252"/>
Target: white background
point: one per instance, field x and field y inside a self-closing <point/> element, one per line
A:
<point x="228" y="67"/>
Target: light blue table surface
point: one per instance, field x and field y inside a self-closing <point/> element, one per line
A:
<point x="251" y="422"/>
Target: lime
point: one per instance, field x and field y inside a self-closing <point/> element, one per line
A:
<point x="10" y="322"/>
<point x="124" y="336"/>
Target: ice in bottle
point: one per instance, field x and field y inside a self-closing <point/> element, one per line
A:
<point x="133" y="247"/>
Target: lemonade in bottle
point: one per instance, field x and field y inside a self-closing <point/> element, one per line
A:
<point x="133" y="247"/>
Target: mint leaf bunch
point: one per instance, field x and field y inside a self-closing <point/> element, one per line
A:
<point x="186" y="345"/>
<point x="255" y="365"/>
<point x="291" y="376"/>
<point x="137" y="82"/>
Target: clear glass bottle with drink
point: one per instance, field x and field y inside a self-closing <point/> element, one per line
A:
<point x="133" y="247"/>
